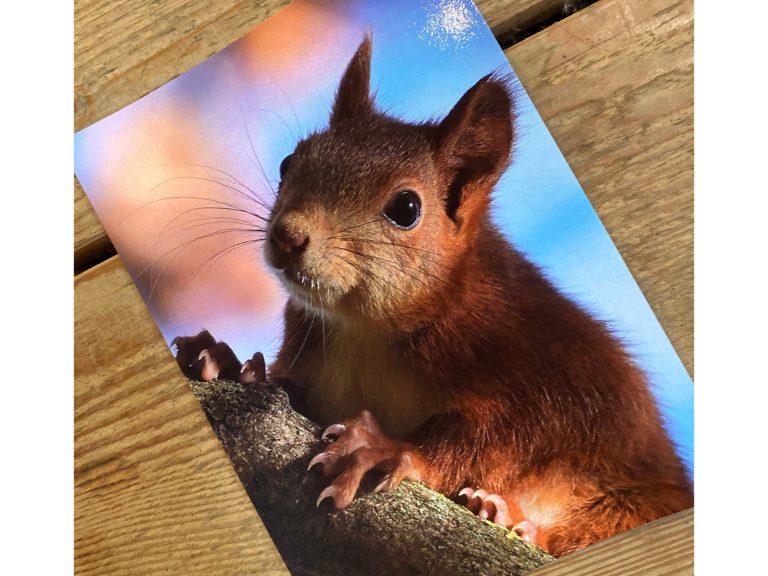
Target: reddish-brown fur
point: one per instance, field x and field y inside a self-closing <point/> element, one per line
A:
<point x="480" y="371"/>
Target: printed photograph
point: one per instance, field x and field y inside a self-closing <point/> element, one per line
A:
<point x="393" y="299"/>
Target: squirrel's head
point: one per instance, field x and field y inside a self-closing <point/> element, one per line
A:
<point x="374" y="215"/>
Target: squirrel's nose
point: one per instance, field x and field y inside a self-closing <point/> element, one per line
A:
<point x="289" y="240"/>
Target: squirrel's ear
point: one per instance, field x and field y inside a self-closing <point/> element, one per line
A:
<point x="473" y="145"/>
<point x="353" y="96"/>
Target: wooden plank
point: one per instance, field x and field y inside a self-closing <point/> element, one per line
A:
<point x="154" y="491"/>
<point x="516" y="17"/>
<point x="661" y="548"/>
<point x="91" y="242"/>
<point x="614" y="83"/>
<point x="124" y="49"/>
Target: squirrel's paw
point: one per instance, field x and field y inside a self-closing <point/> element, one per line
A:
<point x="491" y="507"/>
<point x="188" y="350"/>
<point x="357" y="447"/>
<point x="202" y="358"/>
<point x="494" y="508"/>
<point x="254" y="370"/>
<point x="526" y="530"/>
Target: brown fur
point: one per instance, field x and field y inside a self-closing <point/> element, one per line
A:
<point x="453" y="340"/>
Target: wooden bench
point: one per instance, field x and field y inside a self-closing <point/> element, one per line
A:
<point x="154" y="491"/>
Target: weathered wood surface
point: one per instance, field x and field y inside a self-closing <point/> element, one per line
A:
<point x="125" y="49"/>
<point x="91" y="243"/>
<point x="154" y="491"/>
<point x="661" y="548"/>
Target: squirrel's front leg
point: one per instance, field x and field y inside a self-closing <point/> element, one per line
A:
<point x="359" y="446"/>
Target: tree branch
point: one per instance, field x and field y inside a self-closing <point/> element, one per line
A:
<point x="412" y="530"/>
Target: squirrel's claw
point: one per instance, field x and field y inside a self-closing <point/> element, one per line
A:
<point x="318" y="459"/>
<point x="360" y="446"/>
<point x="333" y="432"/>
<point x="219" y="361"/>
<point x="209" y="368"/>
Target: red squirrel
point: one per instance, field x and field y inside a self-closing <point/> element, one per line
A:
<point x="434" y="351"/>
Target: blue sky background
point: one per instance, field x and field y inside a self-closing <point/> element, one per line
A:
<point x="426" y="54"/>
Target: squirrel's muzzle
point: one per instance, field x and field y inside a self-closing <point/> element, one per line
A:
<point x="287" y="241"/>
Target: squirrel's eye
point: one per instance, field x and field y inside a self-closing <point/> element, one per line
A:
<point x="284" y="165"/>
<point x="404" y="210"/>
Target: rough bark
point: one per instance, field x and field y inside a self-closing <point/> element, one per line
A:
<point x="412" y="530"/>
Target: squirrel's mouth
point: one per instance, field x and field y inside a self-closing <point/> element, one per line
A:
<point x="303" y="280"/>
<point x="308" y="289"/>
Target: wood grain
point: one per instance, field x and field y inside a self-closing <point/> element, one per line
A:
<point x="154" y="491"/>
<point x="512" y="18"/>
<point x="124" y="49"/>
<point x="661" y="548"/>
<point x="91" y="242"/>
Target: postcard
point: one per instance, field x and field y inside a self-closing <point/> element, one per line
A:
<point x="401" y="314"/>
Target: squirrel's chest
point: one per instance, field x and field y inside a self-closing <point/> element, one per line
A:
<point x="363" y="371"/>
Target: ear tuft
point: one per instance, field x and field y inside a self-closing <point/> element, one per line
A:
<point x="353" y="95"/>
<point x="474" y="141"/>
